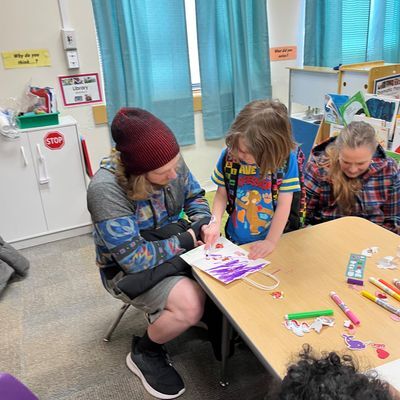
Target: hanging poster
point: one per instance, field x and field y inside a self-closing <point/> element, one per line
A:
<point x="283" y="53"/>
<point x="26" y="58"/>
<point x="80" y="89"/>
<point x="388" y="86"/>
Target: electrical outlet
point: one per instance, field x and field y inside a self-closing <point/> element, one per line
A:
<point x="72" y="59"/>
<point x="68" y="38"/>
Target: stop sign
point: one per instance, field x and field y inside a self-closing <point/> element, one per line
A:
<point x="54" y="140"/>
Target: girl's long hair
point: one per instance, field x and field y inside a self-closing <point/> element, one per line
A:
<point x="265" y="127"/>
<point x="345" y="189"/>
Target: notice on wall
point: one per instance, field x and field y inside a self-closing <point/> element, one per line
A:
<point x="283" y="53"/>
<point x="26" y="58"/>
<point x="80" y="89"/>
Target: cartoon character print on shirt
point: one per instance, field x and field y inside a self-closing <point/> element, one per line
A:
<point x="252" y="211"/>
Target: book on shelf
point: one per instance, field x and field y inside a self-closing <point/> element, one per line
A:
<point x="332" y="104"/>
<point x="384" y="108"/>
<point x="354" y="106"/>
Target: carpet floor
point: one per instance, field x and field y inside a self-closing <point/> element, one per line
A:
<point x="53" y="322"/>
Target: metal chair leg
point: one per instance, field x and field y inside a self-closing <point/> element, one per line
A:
<point x="110" y="331"/>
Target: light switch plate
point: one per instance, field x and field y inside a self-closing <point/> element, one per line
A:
<point x="72" y="59"/>
<point x="68" y="38"/>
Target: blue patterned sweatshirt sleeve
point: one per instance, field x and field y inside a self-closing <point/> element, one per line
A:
<point x="196" y="206"/>
<point x="118" y="222"/>
<point x="119" y="239"/>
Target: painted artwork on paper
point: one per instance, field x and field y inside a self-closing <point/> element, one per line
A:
<point x="225" y="262"/>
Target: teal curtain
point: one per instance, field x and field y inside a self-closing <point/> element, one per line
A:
<point x="143" y="46"/>
<point x="234" y="59"/>
<point x="351" y="31"/>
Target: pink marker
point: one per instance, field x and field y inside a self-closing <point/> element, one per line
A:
<point x="344" y="308"/>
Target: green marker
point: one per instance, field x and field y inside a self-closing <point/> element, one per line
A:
<point x="309" y="314"/>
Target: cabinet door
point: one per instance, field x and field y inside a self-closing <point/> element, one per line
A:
<point x="61" y="178"/>
<point x="21" y="211"/>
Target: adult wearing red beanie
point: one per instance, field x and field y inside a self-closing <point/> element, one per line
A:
<point x="136" y="199"/>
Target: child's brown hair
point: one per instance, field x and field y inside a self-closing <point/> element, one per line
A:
<point x="265" y="127"/>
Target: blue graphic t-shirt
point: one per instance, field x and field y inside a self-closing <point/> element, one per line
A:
<point x="252" y="216"/>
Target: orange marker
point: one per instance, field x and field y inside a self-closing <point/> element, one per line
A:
<point x="395" y="289"/>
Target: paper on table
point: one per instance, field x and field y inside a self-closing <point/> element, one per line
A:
<point x="225" y="262"/>
<point x="390" y="372"/>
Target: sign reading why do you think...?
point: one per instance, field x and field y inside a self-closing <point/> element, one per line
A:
<point x="283" y="53"/>
<point x="26" y="58"/>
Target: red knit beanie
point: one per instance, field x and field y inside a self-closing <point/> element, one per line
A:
<point x="144" y="141"/>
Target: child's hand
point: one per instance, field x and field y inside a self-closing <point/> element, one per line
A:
<point x="261" y="249"/>
<point x="210" y="234"/>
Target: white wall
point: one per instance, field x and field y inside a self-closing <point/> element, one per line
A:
<point x="37" y="25"/>
<point x="286" y="28"/>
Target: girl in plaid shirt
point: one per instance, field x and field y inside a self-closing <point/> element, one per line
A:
<point x="351" y="175"/>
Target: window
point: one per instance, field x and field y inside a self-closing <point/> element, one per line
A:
<point x="191" y="28"/>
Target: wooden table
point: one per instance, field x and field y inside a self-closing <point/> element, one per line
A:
<point x="311" y="263"/>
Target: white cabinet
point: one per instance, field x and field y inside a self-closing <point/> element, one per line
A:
<point x="43" y="185"/>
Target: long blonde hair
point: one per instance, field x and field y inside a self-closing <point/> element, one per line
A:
<point x="345" y="189"/>
<point x="137" y="187"/>
<point x="265" y="127"/>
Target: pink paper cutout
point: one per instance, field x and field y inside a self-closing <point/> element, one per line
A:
<point x="382" y="353"/>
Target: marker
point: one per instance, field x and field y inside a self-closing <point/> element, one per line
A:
<point x="344" y="308"/>
<point x="309" y="314"/>
<point x="355" y="282"/>
<point x="384" y="287"/>
<point x="382" y="303"/>
<point x="395" y="289"/>
<point x="396" y="282"/>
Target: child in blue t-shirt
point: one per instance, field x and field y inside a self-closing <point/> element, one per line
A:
<point x="260" y="141"/>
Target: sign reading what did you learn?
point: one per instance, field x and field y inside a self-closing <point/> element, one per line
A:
<point x="26" y="58"/>
<point x="283" y="53"/>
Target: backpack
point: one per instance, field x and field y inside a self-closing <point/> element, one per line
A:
<point x="298" y="206"/>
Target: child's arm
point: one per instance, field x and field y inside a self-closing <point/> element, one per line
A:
<point x="264" y="247"/>
<point x="211" y="232"/>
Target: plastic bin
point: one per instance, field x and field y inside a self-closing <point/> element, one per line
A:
<point x="37" y="120"/>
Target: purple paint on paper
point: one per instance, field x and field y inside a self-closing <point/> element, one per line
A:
<point x="233" y="269"/>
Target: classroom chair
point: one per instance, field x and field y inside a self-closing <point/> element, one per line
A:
<point x="126" y="304"/>
<point x="12" y="389"/>
<point x="111" y="329"/>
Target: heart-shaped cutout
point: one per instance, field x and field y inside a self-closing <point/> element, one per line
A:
<point x="382" y="353"/>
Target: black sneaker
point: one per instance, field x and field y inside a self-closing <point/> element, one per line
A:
<point x="155" y="371"/>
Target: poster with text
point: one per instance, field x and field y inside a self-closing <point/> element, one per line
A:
<point x="80" y="89"/>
